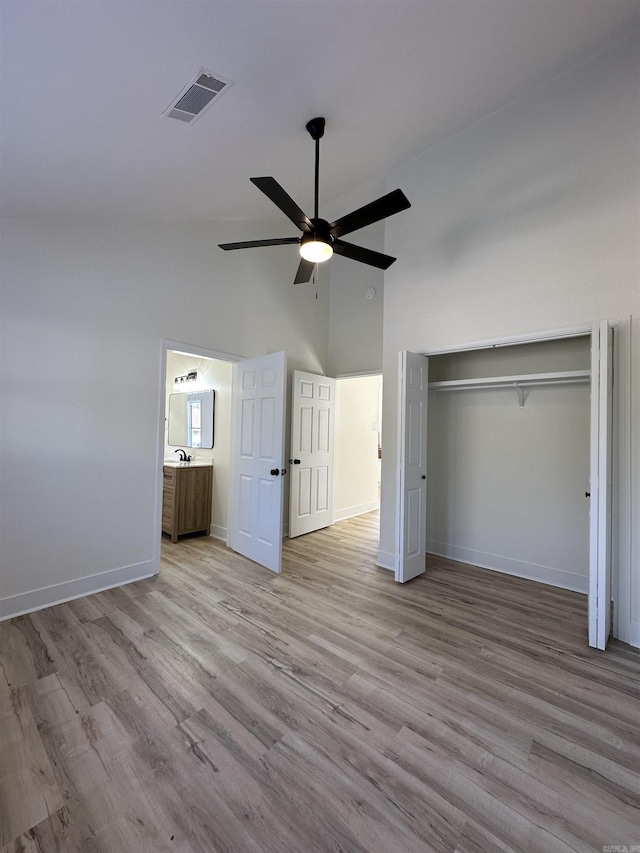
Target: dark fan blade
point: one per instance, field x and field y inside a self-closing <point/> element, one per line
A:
<point x="304" y="271"/>
<point x="365" y="256"/>
<point x="252" y="244"/>
<point x="376" y="210"/>
<point x="272" y="189"/>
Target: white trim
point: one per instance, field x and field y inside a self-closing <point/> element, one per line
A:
<point x="59" y="593"/>
<point x="513" y="340"/>
<point x="351" y="511"/>
<point x="634" y="634"/>
<point x="623" y="628"/>
<point x="509" y="566"/>
<point x="386" y="560"/>
<point x="192" y="349"/>
<point x="219" y="532"/>
<point x="162" y="394"/>
<point x="356" y="373"/>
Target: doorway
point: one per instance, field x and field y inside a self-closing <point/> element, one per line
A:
<point x="509" y="462"/>
<point x="207" y="370"/>
<point x="358" y="445"/>
<point x="335" y="450"/>
<point x="357" y="425"/>
<point x="607" y="434"/>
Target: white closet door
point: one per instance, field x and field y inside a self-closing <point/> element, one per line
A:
<point x="411" y="521"/>
<point x="600" y="480"/>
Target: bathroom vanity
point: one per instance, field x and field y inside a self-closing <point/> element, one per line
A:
<point x="186" y="498"/>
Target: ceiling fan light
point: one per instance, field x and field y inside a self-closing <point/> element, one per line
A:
<point x="315" y="250"/>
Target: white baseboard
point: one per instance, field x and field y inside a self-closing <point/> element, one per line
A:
<point x="218" y="532"/>
<point x="509" y="566"/>
<point x="634" y="634"/>
<point x="351" y="511"/>
<point x="386" y="560"/>
<point x="47" y="596"/>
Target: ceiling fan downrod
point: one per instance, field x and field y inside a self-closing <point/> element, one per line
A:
<point x="316" y="131"/>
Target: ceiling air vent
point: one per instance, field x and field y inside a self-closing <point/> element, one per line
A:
<point x="197" y="96"/>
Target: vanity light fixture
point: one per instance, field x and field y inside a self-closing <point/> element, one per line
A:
<point x="186" y="377"/>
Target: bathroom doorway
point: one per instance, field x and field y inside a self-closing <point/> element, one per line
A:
<point x="206" y="371"/>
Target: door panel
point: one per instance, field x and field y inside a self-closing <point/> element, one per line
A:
<point x="255" y="494"/>
<point x="411" y="521"/>
<point x="600" y="479"/>
<point x="311" y="466"/>
<point x="322" y="489"/>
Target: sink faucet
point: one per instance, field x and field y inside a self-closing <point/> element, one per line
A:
<point x="183" y="455"/>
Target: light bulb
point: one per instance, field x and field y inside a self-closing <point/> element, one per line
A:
<point x="315" y="251"/>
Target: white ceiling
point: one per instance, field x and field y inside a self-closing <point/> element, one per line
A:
<point x="84" y="83"/>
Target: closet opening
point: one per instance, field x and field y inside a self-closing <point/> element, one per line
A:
<point x="508" y="456"/>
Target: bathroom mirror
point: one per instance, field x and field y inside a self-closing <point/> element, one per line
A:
<point x="191" y="419"/>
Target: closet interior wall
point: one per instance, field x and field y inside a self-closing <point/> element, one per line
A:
<point x="508" y="472"/>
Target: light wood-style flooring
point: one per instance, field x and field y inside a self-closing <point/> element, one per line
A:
<point x="218" y="707"/>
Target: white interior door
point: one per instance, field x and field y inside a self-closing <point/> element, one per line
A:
<point x="311" y="463"/>
<point x="411" y="523"/>
<point x="257" y="456"/>
<point x="600" y="486"/>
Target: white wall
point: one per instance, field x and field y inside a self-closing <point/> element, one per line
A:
<point x="355" y="322"/>
<point x="527" y="221"/>
<point x="85" y="306"/>
<point x="356" y="463"/>
<point x="506" y="485"/>
<point x="215" y="374"/>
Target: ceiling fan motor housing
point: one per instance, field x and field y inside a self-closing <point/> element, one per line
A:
<point x="322" y="241"/>
<point x="322" y="232"/>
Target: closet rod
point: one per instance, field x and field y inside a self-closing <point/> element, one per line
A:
<point x="566" y="377"/>
<point x="518" y="383"/>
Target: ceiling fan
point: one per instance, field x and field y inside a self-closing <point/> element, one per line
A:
<point x="320" y="239"/>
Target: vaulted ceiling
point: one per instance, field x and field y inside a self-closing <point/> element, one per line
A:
<point x="84" y="84"/>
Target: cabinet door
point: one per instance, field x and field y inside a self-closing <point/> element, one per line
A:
<point x="168" y="500"/>
<point x="194" y="499"/>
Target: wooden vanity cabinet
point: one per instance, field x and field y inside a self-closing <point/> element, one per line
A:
<point x="186" y="499"/>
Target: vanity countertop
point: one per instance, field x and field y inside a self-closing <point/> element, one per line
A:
<point x="194" y="463"/>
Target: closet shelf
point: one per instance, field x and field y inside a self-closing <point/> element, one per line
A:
<point x="519" y="382"/>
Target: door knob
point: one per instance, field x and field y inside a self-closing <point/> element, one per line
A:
<point x="424" y="476"/>
<point x="294" y="462"/>
<point x="587" y="494"/>
<point x="274" y="472"/>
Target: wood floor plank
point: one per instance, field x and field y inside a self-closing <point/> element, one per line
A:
<point x="29" y="792"/>
<point x="317" y="784"/>
<point x="218" y="707"/>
